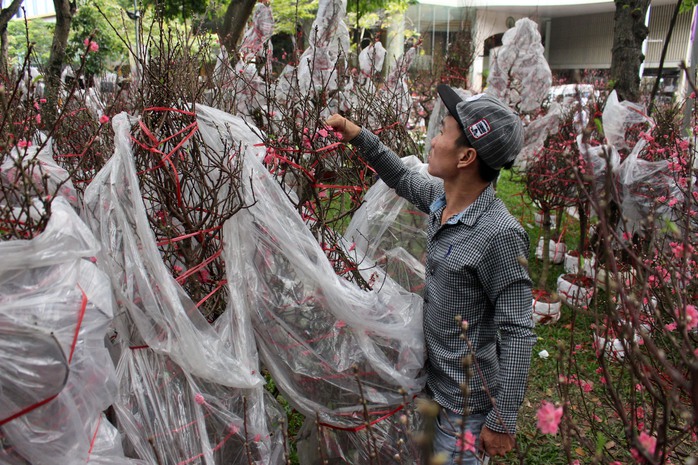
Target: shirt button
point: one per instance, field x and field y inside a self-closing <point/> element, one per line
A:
<point x="432" y="271"/>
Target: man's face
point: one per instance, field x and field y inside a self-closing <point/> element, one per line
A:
<point x="445" y="153"/>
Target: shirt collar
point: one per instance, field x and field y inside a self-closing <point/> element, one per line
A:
<point x="472" y="212"/>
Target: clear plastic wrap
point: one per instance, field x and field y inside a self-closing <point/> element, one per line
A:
<point x="371" y="60"/>
<point x="598" y="159"/>
<point x="248" y="83"/>
<point x="188" y="392"/>
<point x="257" y="36"/>
<point x="384" y="436"/>
<point x="171" y="417"/>
<point x="618" y="117"/>
<point x="162" y="315"/>
<point x="328" y="40"/>
<point x="317" y="333"/>
<point x="519" y="74"/>
<point x="51" y="296"/>
<point x="537" y="131"/>
<point x="391" y="232"/>
<point x="647" y="189"/>
<point x="35" y="168"/>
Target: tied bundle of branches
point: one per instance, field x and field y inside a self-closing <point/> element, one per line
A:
<point x="189" y="189"/>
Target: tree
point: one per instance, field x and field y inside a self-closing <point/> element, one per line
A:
<point x="234" y="22"/>
<point x="6" y="15"/>
<point x="65" y="10"/>
<point x="628" y="34"/>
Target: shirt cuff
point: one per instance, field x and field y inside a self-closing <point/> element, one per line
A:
<point x="501" y="422"/>
<point x="365" y="140"/>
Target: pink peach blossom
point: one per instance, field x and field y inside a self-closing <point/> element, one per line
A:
<point x="549" y="418"/>
<point x="467" y="442"/>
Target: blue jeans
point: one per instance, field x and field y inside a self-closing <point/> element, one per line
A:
<point x="448" y="429"/>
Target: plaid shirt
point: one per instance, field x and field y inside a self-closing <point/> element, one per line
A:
<point x="474" y="270"/>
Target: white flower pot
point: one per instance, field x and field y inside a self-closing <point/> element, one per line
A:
<point x="573" y="294"/>
<point x="589" y="266"/>
<point x="626" y="278"/>
<point x="571" y="264"/>
<point x="546" y="312"/>
<point x="556" y="251"/>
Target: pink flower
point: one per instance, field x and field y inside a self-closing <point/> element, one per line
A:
<point x="24" y="144"/>
<point x="649" y="443"/>
<point x="234" y="429"/>
<point x="466" y="443"/>
<point x="199" y="399"/>
<point x="104" y="119"/>
<point x="691" y="317"/>
<point x="322" y="132"/>
<point x="94" y="46"/>
<point x="204" y="276"/>
<point x="38" y="119"/>
<point x="86" y="41"/>
<point x="258" y="437"/>
<point x="549" y="418"/>
<point x="670" y="327"/>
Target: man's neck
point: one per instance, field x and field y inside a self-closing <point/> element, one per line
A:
<point x="460" y="195"/>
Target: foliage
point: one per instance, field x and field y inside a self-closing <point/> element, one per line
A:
<point x="289" y="13"/>
<point x="40" y="34"/>
<point x="89" y="24"/>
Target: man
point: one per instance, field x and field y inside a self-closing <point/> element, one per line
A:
<point x="476" y="274"/>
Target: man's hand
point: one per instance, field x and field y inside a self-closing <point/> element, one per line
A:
<point x="346" y="128"/>
<point x="494" y="443"/>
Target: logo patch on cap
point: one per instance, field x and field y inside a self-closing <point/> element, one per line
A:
<point x="479" y="129"/>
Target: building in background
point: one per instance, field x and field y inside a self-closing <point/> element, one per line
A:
<point x="577" y="34"/>
<point x="34" y="9"/>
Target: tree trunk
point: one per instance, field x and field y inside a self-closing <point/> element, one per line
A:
<point x="629" y="33"/>
<point x="234" y="22"/>
<point x="65" y="9"/>
<point x="5" y="16"/>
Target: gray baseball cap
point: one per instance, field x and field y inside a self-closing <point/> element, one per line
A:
<point x="491" y="127"/>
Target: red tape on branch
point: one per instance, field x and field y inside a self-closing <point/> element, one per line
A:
<point x="181" y="278"/>
<point x="356" y="429"/>
<point x="187" y="236"/>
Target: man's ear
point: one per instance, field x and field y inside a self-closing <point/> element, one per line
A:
<point x="467" y="157"/>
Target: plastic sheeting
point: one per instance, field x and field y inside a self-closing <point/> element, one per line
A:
<point x="383" y="436"/>
<point x="618" y="117"/>
<point x="328" y="39"/>
<point x="391" y="232"/>
<point x="257" y="36"/>
<point x="537" y="131"/>
<point x="371" y="60"/>
<point x="165" y="317"/>
<point x="57" y="376"/>
<point x="189" y="392"/>
<point x="45" y="177"/>
<point x="520" y="75"/>
<point x="647" y="187"/>
<point x="317" y="333"/>
<point x="169" y="416"/>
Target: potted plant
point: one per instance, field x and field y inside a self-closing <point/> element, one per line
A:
<point x="549" y="182"/>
